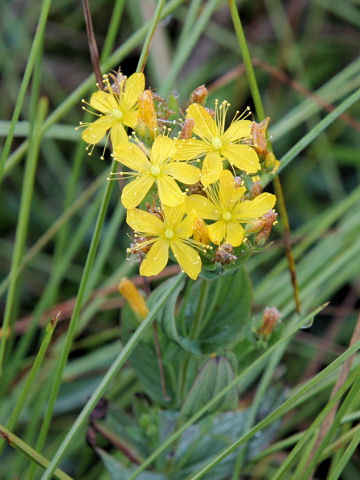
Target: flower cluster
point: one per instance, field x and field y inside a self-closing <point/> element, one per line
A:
<point x="197" y="173"/>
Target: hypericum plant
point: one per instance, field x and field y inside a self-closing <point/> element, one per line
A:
<point x="198" y="167"/>
<point x="192" y="194"/>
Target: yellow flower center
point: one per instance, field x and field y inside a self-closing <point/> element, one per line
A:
<point x="155" y="170"/>
<point x="216" y="143"/>
<point x="169" y="233"/>
<point x="118" y="114"/>
<point x="226" y="216"/>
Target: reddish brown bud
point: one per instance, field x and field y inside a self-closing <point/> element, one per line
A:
<point x="196" y="189"/>
<point x="270" y="318"/>
<point x="199" y="95"/>
<point x="187" y="128"/>
<point x="269" y="219"/>
<point x="258" y="133"/>
<point x="225" y="254"/>
<point x="255" y="190"/>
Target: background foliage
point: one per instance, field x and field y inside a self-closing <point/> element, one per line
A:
<point x="305" y="60"/>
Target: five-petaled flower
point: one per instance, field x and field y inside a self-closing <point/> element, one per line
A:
<point x="218" y="143"/>
<point x="117" y="107"/>
<point x="225" y="205"/>
<point x="154" y="166"/>
<point x="173" y="232"/>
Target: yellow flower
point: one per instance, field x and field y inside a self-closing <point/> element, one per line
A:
<point x="217" y="144"/>
<point x="224" y="204"/>
<point x="174" y="233"/>
<point x="156" y="167"/>
<point x="117" y="107"/>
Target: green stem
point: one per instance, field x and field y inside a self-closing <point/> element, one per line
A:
<point x="36" y="46"/>
<point x="254" y="88"/>
<point x="146" y="48"/>
<point x="194" y="332"/>
<point x="32" y="454"/>
<point x="22" y="226"/>
<point x="199" y="315"/>
<point x="108" y="378"/>
<point x="76" y="312"/>
<point x="29" y="381"/>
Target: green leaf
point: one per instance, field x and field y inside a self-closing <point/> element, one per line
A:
<point x="118" y="472"/>
<point x="227" y="311"/>
<point x="169" y="326"/>
<point x="213" y="377"/>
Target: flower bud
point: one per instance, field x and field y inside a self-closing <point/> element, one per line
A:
<point x="258" y="133"/>
<point x="200" y="231"/>
<point x="269" y="220"/>
<point x="187" y="128"/>
<point x="133" y="297"/>
<point x="270" y="318"/>
<point x="199" y="95"/>
<point x="255" y="190"/>
<point x="270" y="161"/>
<point x="225" y="254"/>
<point x="147" y="124"/>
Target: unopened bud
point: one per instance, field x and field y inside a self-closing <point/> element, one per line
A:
<point x="254" y="191"/>
<point x="199" y="95"/>
<point x="187" y="128"/>
<point x="269" y="219"/>
<point x="255" y="226"/>
<point x="270" y="161"/>
<point x="200" y="231"/>
<point x="147" y="123"/>
<point x="258" y="133"/>
<point x="270" y="318"/>
<point x="133" y="297"/>
<point x="225" y="254"/>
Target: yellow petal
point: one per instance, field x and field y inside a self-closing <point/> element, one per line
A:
<point x="237" y="130"/>
<point x="212" y="168"/>
<point x="252" y="209"/>
<point x="174" y="215"/>
<point x="202" y="207"/>
<point x="134" y="192"/>
<point x="162" y="149"/>
<point x="104" y="102"/>
<point x="189" y="149"/>
<point x="226" y="189"/>
<point x="156" y="258"/>
<point x="134" y="86"/>
<point x="187" y="257"/>
<point x="242" y="156"/>
<point x="239" y="193"/>
<point x="185" y="228"/>
<point x="169" y="191"/>
<point x="205" y="126"/>
<point x="132" y="156"/>
<point x="130" y="118"/>
<point x="183" y="172"/>
<point x="234" y="234"/>
<point x="144" y="222"/>
<point x="217" y="231"/>
<point x="118" y="135"/>
<point x="96" y="130"/>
